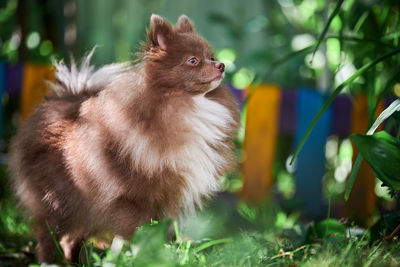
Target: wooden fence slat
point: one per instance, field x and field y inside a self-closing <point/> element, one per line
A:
<point x="34" y="87"/>
<point x="288" y="123"/>
<point x="14" y="74"/>
<point x="341" y="125"/>
<point x="311" y="160"/>
<point x="362" y="200"/>
<point x="239" y="95"/>
<point x="260" y="140"/>
<point x="2" y="90"/>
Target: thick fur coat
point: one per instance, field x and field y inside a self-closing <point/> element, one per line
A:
<point x="116" y="147"/>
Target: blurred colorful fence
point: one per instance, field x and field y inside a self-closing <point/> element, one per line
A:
<point x="273" y="115"/>
<point x="276" y="113"/>
<point x="28" y="81"/>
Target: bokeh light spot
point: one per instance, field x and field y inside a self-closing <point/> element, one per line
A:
<point x="227" y="56"/>
<point x="243" y="78"/>
<point x="46" y="48"/>
<point x="302" y="41"/>
<point x="33" y="40"/>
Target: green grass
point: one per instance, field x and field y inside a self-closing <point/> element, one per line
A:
<point x="224" y="234"/>
<point x="252" y="245"/>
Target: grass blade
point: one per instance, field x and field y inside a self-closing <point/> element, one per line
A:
<point x="360" y="40"/>
<point x="395" y="106"/>
<point x="354" y="171"/>
<point x="352" y="177"/>
<point x="280" y="61"/>
<point x="335" y="93"/>
<point x="176" y="230"/>
<point x="185" y="258"/>
<point x="58" y="247"/>
<point x="212" y="243"/>
<point x="325" y="30"/>
<point x="360" y="22"/>
<point x="392" y="81"/>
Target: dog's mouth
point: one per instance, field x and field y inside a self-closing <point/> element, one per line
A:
<point x="209" y="84"/>
<point x="216" y="78"/>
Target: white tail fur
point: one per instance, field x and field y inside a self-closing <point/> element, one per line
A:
<point x="74" y="80"/>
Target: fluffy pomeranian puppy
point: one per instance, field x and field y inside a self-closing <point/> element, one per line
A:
<point x="113" y="148"/>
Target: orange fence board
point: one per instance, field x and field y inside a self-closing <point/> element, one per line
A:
<point x="34" y="87"/>
<point x="362" y="200"/>
<point x="260" y="140"/>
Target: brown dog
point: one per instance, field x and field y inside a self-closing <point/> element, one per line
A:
<point x="114" y="148"/>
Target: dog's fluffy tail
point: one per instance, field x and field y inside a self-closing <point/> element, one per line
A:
<point x="75" y="80"/>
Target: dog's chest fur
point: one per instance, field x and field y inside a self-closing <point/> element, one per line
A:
<point x="202" y="157"/>
<point x="193" y="148"/>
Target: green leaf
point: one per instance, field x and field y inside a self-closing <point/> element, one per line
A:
<point x="149" y="241"/>
<point x="357" y="164"/>
<point x="385" y="225"/>
<point x="395" y="106"/>
<point x="388" y="87"/>
<point x="56" y="243"/>
<point x="276" y="64"/>
<point x="354" y="39"/>
<point x="96" y="257"/>
<point x="212" y="243"/>
<point x="336" y="92"/>
<point x="353" y="176"/>
<point x="176" y="230"/>
<point x="382" y="152"/>
<point x="325" y="30"/>
<point x="330" y="228"/>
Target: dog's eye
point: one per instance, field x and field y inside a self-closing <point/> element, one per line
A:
<point x="193" y="61"/>
<point x="212" y="59"/>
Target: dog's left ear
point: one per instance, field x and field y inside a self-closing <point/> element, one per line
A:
<point x="160" y="32"/>
<point x="184" y="24"/>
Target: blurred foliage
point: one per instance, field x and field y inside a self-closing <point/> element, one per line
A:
<point x="327" y="243"/>
<point x="8" y="21"/>
<point x="346" y="46"/>
<point x="382" y="152"/>
<point x="338" y="155"/>
<point x="254" y="39"/>
<point x="15" y="243"/>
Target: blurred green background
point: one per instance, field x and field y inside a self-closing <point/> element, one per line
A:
<point x="296" y="45"/>
<point x="252" y="34"/>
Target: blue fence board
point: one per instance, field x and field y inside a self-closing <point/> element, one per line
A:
<point x="311" y="160"/>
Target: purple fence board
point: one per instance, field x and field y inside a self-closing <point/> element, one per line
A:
<point x="341" y="125"/>
<point x="238" y="95"/>
<point x="288" y="118"/>
<point x="14" y="79"/>
<point x="389" y="100"/>
<point x="2" y="89"/>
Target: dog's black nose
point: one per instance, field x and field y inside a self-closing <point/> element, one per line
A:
<point x="220" y="66"/>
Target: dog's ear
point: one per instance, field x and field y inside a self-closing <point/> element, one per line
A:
<point x="160" y="32"/>
<point x="184" y="24"/>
